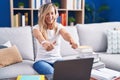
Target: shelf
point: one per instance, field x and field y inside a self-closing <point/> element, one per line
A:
<point x="32" y="11"/>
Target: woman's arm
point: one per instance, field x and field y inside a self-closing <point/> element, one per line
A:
<point x="46" y="44"/>
<point x="38" y="35"/>
<point x="66" y="36"/>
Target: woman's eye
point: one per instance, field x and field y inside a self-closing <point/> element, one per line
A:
<point x="52" y="13"/>
<point x="47" y="14"/>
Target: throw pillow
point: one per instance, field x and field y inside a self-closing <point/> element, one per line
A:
<point x="8" y="44"/>
<point x="2" y="46"/>
<point x="117" y="28"/>
<point x="5" y="45"/>
<point x="9" y="56"/>
<point x="113" y="38"/>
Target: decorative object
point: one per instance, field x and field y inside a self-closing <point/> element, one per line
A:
<point x="92" y="15"/>
<point x="71" y="20"/>
<point x="113" y="40"/>
<point x="9" y="56"/>
<point x="21" y="5"/>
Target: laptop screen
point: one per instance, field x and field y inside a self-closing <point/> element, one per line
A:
<point x="77" y="69"/>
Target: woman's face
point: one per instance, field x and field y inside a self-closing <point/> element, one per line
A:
<point x="50" y="16"/>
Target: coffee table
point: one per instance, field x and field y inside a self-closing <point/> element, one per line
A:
<point x="9" y="79"/>
<point x="46" y="79"/>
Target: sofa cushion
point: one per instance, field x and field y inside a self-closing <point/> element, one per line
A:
<point x="21" y="37"/>
<point x="65" y="46"/>
<point x="22" y="68"/>
<point x="9" y="56"/>
<point x="113" y="39"/>
<point x="111" y="60"/>
<point x="94" y="35"/>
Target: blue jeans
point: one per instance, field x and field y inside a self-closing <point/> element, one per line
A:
<point x="43" y="67"/>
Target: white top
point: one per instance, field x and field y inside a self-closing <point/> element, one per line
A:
<point x="53" y="55"/>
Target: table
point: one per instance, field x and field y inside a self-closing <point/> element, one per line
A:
<point x="9" y="79"/>
<point x="46" y="79"/>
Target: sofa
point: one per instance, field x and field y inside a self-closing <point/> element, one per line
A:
<point x="84" y="34"/>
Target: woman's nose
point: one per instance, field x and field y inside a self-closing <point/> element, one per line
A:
<point x="50" y="15"/>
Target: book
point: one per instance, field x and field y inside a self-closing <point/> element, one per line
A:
<point x="31" y="77"/>
<point x="69" y="4"/>
<point x="63" y="18"/>
<point x="76" y="56"/>
<point x="105" y="74"/>
<point x="23" y="20"/>
<point x="19" y="19"/>
<point x="98" y="65"/>
<point x="87" y="52"/>
<point x="79" y="4"/>
<point x="89" y="55"/>
<point x="26" y="18"/>
<point x="82" y="49"/>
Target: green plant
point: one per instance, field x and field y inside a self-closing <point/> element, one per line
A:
<point x="93" y="15"/>
<point x="71" y="19"/>
<point x="57" y="4"/>
<point x="20" y="4"/>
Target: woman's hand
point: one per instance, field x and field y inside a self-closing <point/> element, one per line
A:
<point x="73" y="44"/>
<point x="66" y="36"/>
<point x="48" y="46"/>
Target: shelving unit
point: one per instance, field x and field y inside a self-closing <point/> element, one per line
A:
<point x="32" y="13"/>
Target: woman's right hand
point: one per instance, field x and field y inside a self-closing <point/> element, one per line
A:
<point x="48" y="46"/>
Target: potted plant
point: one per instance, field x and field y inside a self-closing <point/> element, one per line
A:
<point x="57" y="4"/>
<point x="92" y="15"/>
<point x="21" y="5"/>
<point x="71" y="20"/>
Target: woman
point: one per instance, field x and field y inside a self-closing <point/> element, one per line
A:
<point x="48" y="32"/>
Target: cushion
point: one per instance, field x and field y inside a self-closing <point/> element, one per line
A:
<point x="113" y="38"/>
<point x="21" y="37"/>
<point x="8" y="44"/>
<point x="9" y="56"/>
<point x="5" y="45"/>
<point x="118" y="28"/>
<point x="94" y="34"/>
<point x="2" y="46"/>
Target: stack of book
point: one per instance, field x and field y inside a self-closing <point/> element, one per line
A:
<point x="87" y="52"/>
<point x="105" y="74"/>
<point x="98" y="65"/>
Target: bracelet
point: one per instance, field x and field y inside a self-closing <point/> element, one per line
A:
<point x="43" y="42"/>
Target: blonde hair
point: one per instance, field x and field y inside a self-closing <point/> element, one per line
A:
<point x="44" y="9"/>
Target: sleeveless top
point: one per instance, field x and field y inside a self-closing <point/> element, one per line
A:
<point x="53" y="55"/>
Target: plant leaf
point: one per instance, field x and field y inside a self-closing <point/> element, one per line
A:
<point x="103" y="8"/>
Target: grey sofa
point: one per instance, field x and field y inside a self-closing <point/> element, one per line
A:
<point x="84" y="34"/>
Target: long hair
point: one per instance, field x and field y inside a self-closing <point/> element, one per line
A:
<point x="44" y="9"/>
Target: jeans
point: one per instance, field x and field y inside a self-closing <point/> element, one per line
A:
<point x="43" y="67"/>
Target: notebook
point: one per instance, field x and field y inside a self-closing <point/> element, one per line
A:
<point x="76" y="69"/>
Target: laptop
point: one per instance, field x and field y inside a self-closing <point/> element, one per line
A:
<point x="76" y="69"/>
